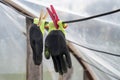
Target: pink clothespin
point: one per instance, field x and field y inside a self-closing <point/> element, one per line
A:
<point x="53" y="15"/>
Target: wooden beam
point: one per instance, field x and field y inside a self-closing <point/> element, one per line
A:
<point x="19" y="8"/>
<point x="90" y="74"/>
<point x="33" y="72"/>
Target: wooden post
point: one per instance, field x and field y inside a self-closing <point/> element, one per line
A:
<point x="33" y="72"/>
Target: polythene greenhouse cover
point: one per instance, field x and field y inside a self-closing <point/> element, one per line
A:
<point x="100" y="33"/>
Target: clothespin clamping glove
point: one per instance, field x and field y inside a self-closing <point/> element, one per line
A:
<point x="55" y="46"/>
<point x="36" y="40"/>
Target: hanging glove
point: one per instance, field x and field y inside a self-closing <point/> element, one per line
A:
<point x="36" y="40"/>
<point x="55" y="46"/>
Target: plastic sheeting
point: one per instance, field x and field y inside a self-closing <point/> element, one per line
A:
<point x="101" y="33"/>
<point x="12" y="44"/>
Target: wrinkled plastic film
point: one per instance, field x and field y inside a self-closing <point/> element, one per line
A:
<point x="12" y="44"/>
<point x="101" y="34"/>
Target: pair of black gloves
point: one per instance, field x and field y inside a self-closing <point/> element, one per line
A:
<point x="55" y="46"/>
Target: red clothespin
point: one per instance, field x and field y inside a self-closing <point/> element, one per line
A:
<point x="53" y="15"/>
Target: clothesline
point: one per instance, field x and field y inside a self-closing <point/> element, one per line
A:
<point x="92" y="17"/>
<point x="76" y="20"/>
<point x="79" y="20"/>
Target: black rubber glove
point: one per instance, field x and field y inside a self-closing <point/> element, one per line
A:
<point x="36" y="42"/>
<point x="55" y="46"/>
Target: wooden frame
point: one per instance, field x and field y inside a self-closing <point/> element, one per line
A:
<point x="35" y="72"/>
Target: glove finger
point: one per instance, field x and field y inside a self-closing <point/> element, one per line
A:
<point x="39" y="50"/>
<point x="55" y="63"/>
<point x="46" y="52"/>
<point x="68" y="58"/>
<point x="59" y="65"/>
<point x="63" y="63"/>
<point x="47" y="47"/>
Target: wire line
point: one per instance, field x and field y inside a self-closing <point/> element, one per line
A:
<point x="117" y="55"/>
<point x="77" y="20"/>
<point x="91" y="17"/>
